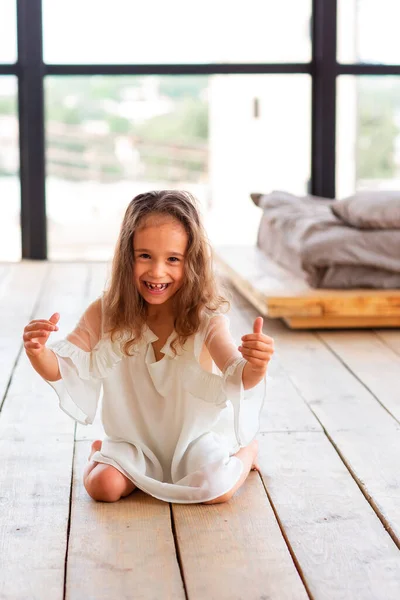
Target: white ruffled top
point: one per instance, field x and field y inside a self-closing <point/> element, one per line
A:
<point x="171" y="426"/>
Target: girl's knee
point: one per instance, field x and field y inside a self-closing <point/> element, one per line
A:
<point x="105" y="484"/>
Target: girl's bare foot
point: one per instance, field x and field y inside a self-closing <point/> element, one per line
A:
<point x="248" y="456"/>
<point x="255" y="466"/>
<point x="95" y="447"/>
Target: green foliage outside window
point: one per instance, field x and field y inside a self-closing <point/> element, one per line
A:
<point x="378" y="108"/>
<point x="178" y="126"/>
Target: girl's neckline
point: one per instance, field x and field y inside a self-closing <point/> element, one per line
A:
<point x="151" y="337"/>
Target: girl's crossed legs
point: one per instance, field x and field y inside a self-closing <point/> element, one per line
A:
<point x="105" y="483"/>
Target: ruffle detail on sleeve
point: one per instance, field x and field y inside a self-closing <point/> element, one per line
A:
<point x="221" y="389"/>
<point x="79" y="357"/>
<point x="82" y="372"/>
<point x="96" y="364"/>
<point x="247" y="404"/>
<point x="203" y="384"/>
<point x="227" y="386"/>
<point x="78" y="397"/>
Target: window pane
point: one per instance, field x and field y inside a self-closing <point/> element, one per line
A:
<point x="368" y="150"/>
<point x="176" y="31"/>
<point x="10" y="232"/>
<point x="8" y="31"/>
<point x="368" y="31"/>
<point x="221" y="137"/>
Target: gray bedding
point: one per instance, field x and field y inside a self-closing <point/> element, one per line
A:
<point x="304" y="235"/>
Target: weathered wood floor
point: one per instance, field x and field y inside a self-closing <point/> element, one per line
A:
<point x="322" y="522"/>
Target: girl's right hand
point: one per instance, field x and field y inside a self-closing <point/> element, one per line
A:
<point x="37" y="332"/>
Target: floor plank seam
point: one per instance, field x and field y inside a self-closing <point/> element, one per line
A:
<point x="287" y="542"/>
<point x="177" y="551"/>
<point x="71" y="489"/>
<point x="339" y="358"/>
<point x="381" y="339"/>
<point x="269" y="431"/>
<point x="3" y="400"/>
<point x="19" y="353"/>
<point x="368" y="498"/>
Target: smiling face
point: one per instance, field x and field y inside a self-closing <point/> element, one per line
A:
<point x="159" y="250"/>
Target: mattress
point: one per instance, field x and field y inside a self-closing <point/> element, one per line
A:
<point x="305" y="236"/>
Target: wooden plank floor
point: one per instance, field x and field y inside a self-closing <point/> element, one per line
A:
<point x="322" y="521"/>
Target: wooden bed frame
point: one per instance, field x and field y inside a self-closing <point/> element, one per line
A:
<point x="277" y="293"/>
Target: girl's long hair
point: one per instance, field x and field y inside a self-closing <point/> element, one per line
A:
<point x="125" y="310"/>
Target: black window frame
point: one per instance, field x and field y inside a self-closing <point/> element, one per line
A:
<point x="31" y="71"/>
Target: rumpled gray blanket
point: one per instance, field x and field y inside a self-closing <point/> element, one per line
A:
<point x="303" y="235"/>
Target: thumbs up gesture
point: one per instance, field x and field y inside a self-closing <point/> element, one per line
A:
<point x="257" y="348"/>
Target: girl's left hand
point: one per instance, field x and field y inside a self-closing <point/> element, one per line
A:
<point x="257" y="348"/>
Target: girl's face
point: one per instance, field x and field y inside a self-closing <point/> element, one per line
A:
<point x="159" y="249"/>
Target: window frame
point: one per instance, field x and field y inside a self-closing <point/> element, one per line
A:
<point x="31" y="72"/>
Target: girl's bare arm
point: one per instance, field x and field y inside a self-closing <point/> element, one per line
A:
<point x="46" y="365"/>
<point x="43" y="360"/>
<point x="256" y="349"/>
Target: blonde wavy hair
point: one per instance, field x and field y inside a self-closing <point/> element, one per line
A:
<point x="125" y="310"/>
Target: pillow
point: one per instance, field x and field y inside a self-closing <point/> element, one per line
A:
<point x="260" y="199"/>
<point x="370" y="210"/>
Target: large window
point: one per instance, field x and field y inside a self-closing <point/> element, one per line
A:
<point x="368" y="134"/>
<point x="222" y="98"/>
<point x="368" y="105"/>
<point x="109" y="138"/>
<point x="10" y="231"/>
<point x="368" y="31"/>
<point x="8" y="31"/>
<point x="176" y="31"/>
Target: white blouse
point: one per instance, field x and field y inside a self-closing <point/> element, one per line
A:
<point x="171" y="426"/>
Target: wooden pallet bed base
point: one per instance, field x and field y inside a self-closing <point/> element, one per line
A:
<point x="341" y="322"/>
<point x="277" y="293"/>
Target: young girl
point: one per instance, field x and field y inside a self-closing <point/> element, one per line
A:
<point x="181" y="402"/>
